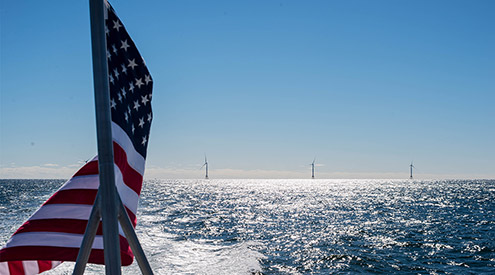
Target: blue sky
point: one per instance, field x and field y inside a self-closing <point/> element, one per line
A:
<point x="262" y="87"/>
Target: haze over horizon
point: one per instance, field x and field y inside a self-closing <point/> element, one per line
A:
<point x="262" y="88"/>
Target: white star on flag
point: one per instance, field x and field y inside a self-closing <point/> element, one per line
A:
<point x="147" y="79"/>
<point x="124" y="69"/>
<point x="144" y="100"/>
<point x="116" y="25"/>
<point x="124" y="45"/>
<point x="132" y="63"/>
<point x="139" y="83"/>
<point x="136" y="105"/>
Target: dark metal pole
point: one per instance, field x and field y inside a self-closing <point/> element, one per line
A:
<point x="108" y="199"/>
<point x="132" y="238"/>
<point x="89" y="236"/>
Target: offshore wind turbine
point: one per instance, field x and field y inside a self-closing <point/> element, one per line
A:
<point x="205" y="164"/>
<point x="313" y="168"/>
<point x="411" y="166"/>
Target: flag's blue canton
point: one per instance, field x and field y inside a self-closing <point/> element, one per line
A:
<point x="130" y="84"/>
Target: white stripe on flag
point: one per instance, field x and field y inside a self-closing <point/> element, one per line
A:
<point x="55" y="239"/>
<point x="4" y="268"/>
<point x="134" y="159"/>
<point x="63" y="211"/>
<point x="30" y="267"/>
<point x="127" y="195"/>
<point x="82" y="182"/>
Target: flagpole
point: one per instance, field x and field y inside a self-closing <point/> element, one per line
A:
<point x="89" y="236"/>
<point x="108" y="202"/>
<point x="131" y="236"/>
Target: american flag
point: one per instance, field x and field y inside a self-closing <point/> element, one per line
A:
<point x="54" y="232"/>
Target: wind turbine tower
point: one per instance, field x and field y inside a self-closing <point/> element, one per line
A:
<point x="411" y="166"/>
<point x="206" y="165"/>
<point x="313" y="168"/>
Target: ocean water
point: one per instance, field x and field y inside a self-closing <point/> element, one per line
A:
<point x="297" y="226"/>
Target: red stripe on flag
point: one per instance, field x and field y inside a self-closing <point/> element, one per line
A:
<point x="16" y="268"/>
<point x="90" y="168"/>
<point x="39" y="253"/>
<point x="132" y="178"/>
<point x="131" y="215"/>
<point x="73" y="196"/>
<point x="48" y="253"/>
<point x="44" y="265"/>
<point x="56" y="225"/>
<point x="64" y="225"/>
